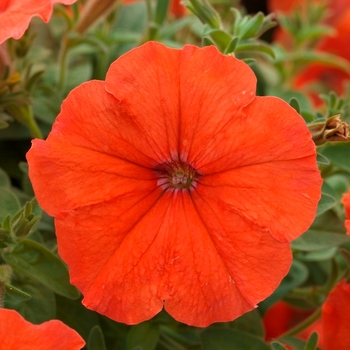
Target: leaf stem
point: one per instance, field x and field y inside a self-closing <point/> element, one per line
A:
<point x="34" y="129"/>
<point x="303" y="325"/>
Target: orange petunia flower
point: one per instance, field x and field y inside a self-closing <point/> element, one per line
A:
<point x="15" y="15"/>
<point x="346" y="202"/>
<point x="336" y="318"/>
<point x="282" y="317"/>
<point x="332" y="327"/>
<point x="17" y="333"/>
<point x="172" y="185"/>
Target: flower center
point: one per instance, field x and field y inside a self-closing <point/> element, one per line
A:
<point x="177" y="175"/>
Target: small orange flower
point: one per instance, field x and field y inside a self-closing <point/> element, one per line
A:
<point x="173" y="185"/>
<point x="346" y="202"/>
<point x="17" y="333"/>
<point x="15" y="15"/>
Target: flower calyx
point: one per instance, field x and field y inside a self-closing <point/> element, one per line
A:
<point x="332" y="130"/>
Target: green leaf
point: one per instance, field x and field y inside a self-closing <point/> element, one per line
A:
<point x="33" y="260"/>
<point x="75" y="315"/>
<point x="312" y="342"/>
<point x="250" y="322"/>
<point x="295" y="104"/>
<point x="321" y="159"/>
<point x="9" y="203"/>
<point x="16" y="293"/>
<point x="207" y="41"/>
<point x="252" y="27"/>
<point x="173" y="28"/>
<point x="221" y="38"/>
<point x="161" y="11"/>
<point x="319" y="255"/>
<point x="323" y="58"/>
<point x="255" y="46"/>
<point x="40" y="308"/>
<point x="229" y="339"/>
<point x="338" y="154"/>
<point x="326" y="202"/>
<point x="96" y="340"/>
<point x="314" y="32"/>
<point x="231" y="47"/>
<point x="297" y="275"/>
<point x="296" y="343"/>
<point x="143" y="336"/>
<point x="314" y="240"/>
<point x="249" y="61"/>
<point x="4" y="179"/>
<point x="277" y="346"/>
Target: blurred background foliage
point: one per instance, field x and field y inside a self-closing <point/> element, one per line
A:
<point x="78" y="44"/>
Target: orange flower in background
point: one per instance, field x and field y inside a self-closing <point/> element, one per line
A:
<point x="336" y="318"/>
<point x="282" y="317"/>
<point x="173" y="185"/>
<point x="332" y="328"/>
<point x="15" y="15"/>
<point x="346" y="202"/>
<point x="17" y="333"/>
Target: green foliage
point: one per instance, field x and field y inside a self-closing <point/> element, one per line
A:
<point x="143" y="336"/>
<point x="312" y="342"/>
<point x="96" y="340"/>
<point x="229" y="339"/>
<point x="33" y="260"/>
<point x="277" y="346"/>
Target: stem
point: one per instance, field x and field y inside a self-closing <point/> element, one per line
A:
<point x="2" y="294"/>
<point x="303" y="325"/>
<point x="63" y="65"/>
<point x="34" y="129"/>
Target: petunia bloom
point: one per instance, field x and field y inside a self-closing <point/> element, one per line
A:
<point x="15" y="15"/>
<point x="173" y="185"/>
<point x="336" y="318"/>
<point x="17" y="333"/>
<point x="332" y="327"/>
<point x="282" y="317"/>
<point x="346" y="202"/>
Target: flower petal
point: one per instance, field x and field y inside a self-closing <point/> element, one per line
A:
<point x="80" y="176"/>
<point x="336" y="318"/>
<point x="267" y="130"/>
<point x="256" y="261"/>
<point x="147" y="81"/>
<point x="266" y="195"/>
<point x="17" y="333"/>
<point x="213" y="88"/>
<point x="168" y="254"/>
<point x="15" y="15"/>
<point x="268" y="172"/>
<point x="96" y="164"/>
<point x="346" y="202"/>
<point x="176" y="94"/>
